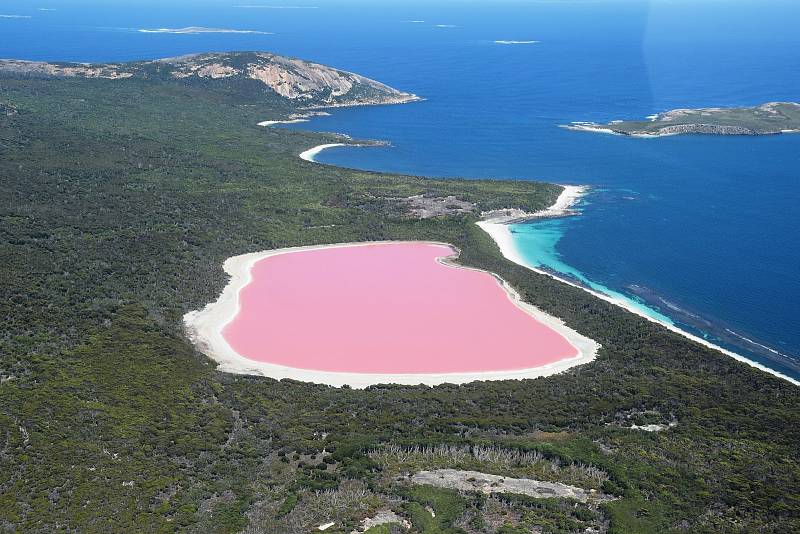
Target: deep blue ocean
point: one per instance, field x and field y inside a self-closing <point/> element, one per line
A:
<point x="704" y="230"/>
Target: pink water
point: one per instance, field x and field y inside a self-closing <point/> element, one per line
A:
<point x="385" y="308"/>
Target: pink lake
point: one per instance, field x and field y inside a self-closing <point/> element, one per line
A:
<point x="385" y="308"/>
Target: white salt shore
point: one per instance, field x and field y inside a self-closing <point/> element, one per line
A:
<point x="204" y="327"/>
<point x="498" y="229"/>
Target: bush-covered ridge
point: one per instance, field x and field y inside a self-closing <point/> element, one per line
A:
<point x="301" y="82"/>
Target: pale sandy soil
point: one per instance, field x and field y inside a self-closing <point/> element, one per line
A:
<point x="381" y="518"/>
<point x="653" y="427"/>
<point x="491" y="484"/>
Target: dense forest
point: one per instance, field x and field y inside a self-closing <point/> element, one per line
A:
<point x="119" y="201"/>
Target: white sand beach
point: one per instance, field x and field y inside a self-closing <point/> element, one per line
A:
<point x="295" y="118"/>
<point x="311" y="153"/>
<point x="287" y="121"/>
<point x="597" y="128"/>
<point x="588" y="127"/>
<point x="498" y="229"/>
<point x="204" y="327"/>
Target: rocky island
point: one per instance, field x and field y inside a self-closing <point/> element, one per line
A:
<point x="766" y="119"/>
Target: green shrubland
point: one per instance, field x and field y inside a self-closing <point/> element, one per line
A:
<point x="119" y="201"/>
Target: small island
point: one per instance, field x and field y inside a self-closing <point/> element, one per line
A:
<point x="767" y="119"/>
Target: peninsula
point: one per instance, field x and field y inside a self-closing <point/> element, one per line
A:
<point x="766" y="119"/>
<point x="302" y="83"/>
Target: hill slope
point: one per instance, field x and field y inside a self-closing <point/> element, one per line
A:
<point x="302" y="82"/>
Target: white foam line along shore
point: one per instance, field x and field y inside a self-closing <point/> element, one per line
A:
<point x="205" y="327"/>
<point x="498" y="229"/>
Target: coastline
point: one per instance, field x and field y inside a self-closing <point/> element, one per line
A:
<point x="695" y="129"/>
<point x="318" y="111"/>
<point x="311" y="153"/>
<point x="403" y="98"/>
<point x="204" y="328"/>
<point x="495" y="223"/>
<point x="562" y="207"/>
<point x="771" y="118"/>
<point x="599" y="128"/>
<point x="295" y="118"/>
<point x="498" y="230"/>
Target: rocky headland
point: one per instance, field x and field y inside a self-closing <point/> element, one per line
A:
<point x="304" y="84"/>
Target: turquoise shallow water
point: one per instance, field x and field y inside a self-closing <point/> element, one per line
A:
<point x="704" y="230"/>
<point x="537" y="243"/>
